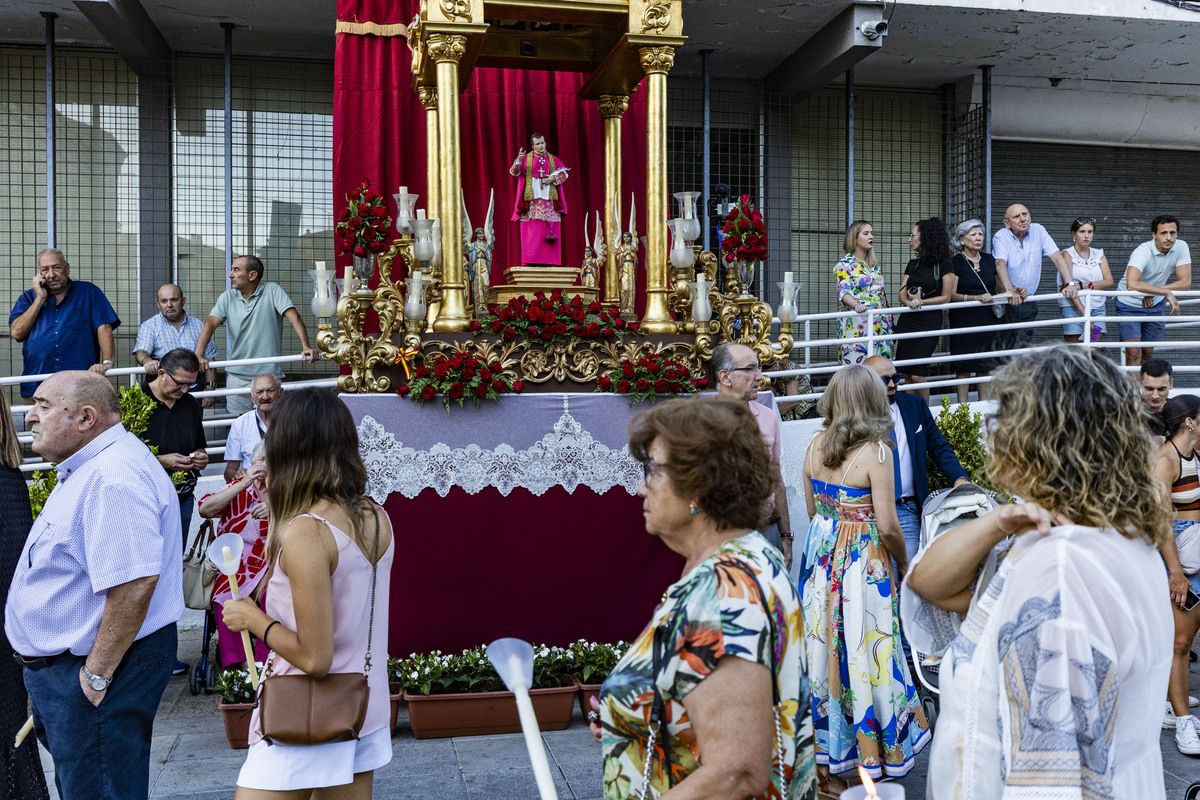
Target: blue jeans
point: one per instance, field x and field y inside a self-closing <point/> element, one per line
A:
<point x="910" y="523"/>
<point x="187" y="504"/>
<point x="103" y="752"/>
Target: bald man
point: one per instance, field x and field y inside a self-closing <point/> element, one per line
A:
<point x="1019" y="248"/>
<point x="171" y="328"/>
<point x="97" y="591"/>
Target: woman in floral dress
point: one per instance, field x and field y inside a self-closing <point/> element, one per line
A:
<point x="711" y="699"/>
<point x="859" y="287"/>
<point x="865" y="707"/>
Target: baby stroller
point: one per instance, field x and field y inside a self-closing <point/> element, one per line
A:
<point x="945" y="510"/>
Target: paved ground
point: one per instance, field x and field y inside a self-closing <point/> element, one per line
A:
<point x="190" y="759"/>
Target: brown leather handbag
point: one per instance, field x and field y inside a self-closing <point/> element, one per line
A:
<point x="301" y="709"/>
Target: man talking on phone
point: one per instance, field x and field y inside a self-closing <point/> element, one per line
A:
<point x="64" y="324"/>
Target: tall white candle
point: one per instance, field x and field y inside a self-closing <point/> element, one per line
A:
<point x="347" y="280"/>
<point x="320" y="278"/>
<point x="420" y="213"/>
<point x="787" y="282"/>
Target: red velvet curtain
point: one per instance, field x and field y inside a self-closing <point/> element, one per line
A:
<point x="379" y="133"/>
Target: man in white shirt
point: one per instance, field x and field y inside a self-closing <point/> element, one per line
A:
<point x="168" y="330"/>
<point x="1019" y="248"/>
<point x="1157" y="269"/>
<point x="249" y="429"/>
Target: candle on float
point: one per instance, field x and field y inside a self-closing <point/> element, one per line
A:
<point x="420" y="213"/>
<point x="347" y="280"/>
<point x="787" y="281"/>
<point x="320" y="279"/>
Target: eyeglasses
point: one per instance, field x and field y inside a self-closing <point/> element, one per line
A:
<point x="185" y="384"/>
<point x="648" y="468"/>
<point x="896" y="379"/>
<point x="754" y="369"/>
<point x="1085" y="221"/>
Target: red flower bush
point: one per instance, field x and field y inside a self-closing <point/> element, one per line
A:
<point x="743" y="237"/>
<point x="362" y="227"/>
<point x="553" y="320"/>
<point x="650" y="376"/>
<point x="457" y="377"/>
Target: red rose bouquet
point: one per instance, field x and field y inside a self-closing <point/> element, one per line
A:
<point x="362" y="227"/>
<point x="459" y="376"/>
<point x="744" y="235"/>
<point x="650" y="376"/>
<point x="553" y="319"/>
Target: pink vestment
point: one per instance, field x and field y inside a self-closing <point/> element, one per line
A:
<point x="541" y="240"/>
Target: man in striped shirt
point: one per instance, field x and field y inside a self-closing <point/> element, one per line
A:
<point x="173" y="328"/>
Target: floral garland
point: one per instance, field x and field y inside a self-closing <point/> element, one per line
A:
<point x="650" y="376"/>
<point x="363" y="225"/>
<point x="744" y="236"/>
<point x="458" y="377"/>
<point x="553" y="320"/>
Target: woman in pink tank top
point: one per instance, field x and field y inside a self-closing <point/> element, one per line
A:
<point x="320" y="613"/>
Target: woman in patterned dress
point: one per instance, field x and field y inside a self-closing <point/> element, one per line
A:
<point x="711" y="698"/>
<point x="241" y="508"/>
<point x="859" y="287"/>
<point x="865" y="708"/>
<point x="1053" y="684"/>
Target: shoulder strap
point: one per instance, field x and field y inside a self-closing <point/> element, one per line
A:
<point x="851" y="464"/>
<point x="205" y="534"/>
<point x="374" y="574"/>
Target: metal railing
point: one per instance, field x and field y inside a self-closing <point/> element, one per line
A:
<point x="872" y="340"/>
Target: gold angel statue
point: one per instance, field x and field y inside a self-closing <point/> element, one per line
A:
<point x="626" y="246"/>
<point x="477" y="255"/>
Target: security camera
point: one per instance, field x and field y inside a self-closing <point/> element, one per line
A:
<point x="874" y="28"/>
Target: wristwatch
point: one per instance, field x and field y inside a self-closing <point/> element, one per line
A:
<point x="107" y="361"/>
<point x="210" y="385"/>
<point x="97" y="683"/>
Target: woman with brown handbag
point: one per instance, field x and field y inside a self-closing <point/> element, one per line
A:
<point x="327" y="601"/>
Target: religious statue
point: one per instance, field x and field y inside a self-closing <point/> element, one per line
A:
<point x="626" y="246"/>
<point x="593" y="255"/>
<point x="477" y="255"/>
<point x="539" y="204"/>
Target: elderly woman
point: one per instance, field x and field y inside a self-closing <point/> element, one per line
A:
<point x="975" y="279"/>
<point x="865" y="708"/>
<point x="1053" y="685"/>
<point x="241" y="508"/>
<point x="711" y="699"/>
<point x="860" y="287"/>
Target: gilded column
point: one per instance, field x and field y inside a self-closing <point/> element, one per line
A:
<point x="446" y="50"/>
<point x="433" y="149"/>
<point x="656" y="61"/>
<point x="612" y="108"/>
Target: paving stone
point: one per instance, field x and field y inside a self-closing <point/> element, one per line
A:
<point x="208" y="744"/>
<point x="201" y="775"/>
<point x="431" y="757"/>
<point x="420" y="787"/>
<point x="512" y="784"/>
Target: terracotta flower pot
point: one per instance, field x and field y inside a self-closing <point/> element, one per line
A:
<point x="236" y="717"/>
<point x="586" y="690"/>
<point x="442" y="715"/>
<point x="395" y="698"/>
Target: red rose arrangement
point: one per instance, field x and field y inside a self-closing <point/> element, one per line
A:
<point x="362" y="227"/>
<point x="650" y="376"/>
<point x="553" y="319"/>
<point x="458" y="377"/>
<point x="744" y="235"/>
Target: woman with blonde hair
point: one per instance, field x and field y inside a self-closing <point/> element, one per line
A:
<point x="330" y="552"/>
<point x="865" y="708"/>
<point x="1054" y="682"/>
<point x="21" y="775"/>
<point x="860" y="287"/>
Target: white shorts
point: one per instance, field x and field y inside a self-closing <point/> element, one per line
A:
<point x="286" y="767"/>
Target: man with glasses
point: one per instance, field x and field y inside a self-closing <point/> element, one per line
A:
<point x="917" y="439"/>
<point x="738" y="375"/>
<point x="176" y="425"/>
<point x="1157" y="269"/>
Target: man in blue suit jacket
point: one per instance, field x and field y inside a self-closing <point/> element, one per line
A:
<point x="917" y="440"/>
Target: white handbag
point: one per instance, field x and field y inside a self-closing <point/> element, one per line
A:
<point x="1188" y="544"/>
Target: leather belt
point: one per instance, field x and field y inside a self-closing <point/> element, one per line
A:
<point x="41" y="662"/>
<point x="909" y="499"/>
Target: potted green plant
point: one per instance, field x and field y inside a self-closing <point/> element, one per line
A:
<point x="964" y="433"/>
<point x="236" y="704"/>
<point x="592" y="662"/>
<point x="395" y="692"/>
<point x="461" y="695"/>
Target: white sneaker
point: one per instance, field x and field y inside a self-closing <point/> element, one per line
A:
<point x="1186" y="738"/>
<point x="1169" y="719"/>
<point x="1193" y="702"/>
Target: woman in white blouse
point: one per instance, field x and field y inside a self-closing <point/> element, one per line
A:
<point x="1089" y="270"/>
<point x="1053" y="685"/>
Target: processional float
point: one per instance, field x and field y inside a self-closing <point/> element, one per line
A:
<point x="619" y="44"/>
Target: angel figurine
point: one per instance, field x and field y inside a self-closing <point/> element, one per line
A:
<point x="626" y="245"/>
<point x="477" y="254"/>
<point x="593" y="255"/>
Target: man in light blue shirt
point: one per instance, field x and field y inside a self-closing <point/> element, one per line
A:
<point x="169" y="330"/>
<point x="1157" y="269"/>
<point x="97" y="591"/>
<point x="1019" y="248"/>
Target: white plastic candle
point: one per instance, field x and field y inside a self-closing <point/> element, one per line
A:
<point x="233" y="587"/>
<point x="347" y="280"/>
<point x="787" y="282"/>
<point x="534" y="744"/>
<point x="420" y="213"/>
<point x="25" y="729"/>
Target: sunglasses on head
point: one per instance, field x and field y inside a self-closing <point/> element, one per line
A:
<point x="1085" y="221"/>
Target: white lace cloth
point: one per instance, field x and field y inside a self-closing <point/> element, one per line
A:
<point x="532" y="441"/>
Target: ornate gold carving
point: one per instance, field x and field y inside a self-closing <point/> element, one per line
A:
<point x="656" y="16"/>
<point x="656" y="59"/>
<point x="742" y="319"/>
<point x="612" y="106"/>
<point x="446" y="47"/>
<point x="453" y="9"/>
<point x="429" y="97"/>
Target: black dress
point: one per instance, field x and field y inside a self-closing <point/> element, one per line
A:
<point x="972" y="281"/>
<point x="928" y="275"/>
<point x="22" y="778"/>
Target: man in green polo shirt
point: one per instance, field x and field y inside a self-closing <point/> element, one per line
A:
<point x="251" y="308"/>
<point x="1157" y="269"/>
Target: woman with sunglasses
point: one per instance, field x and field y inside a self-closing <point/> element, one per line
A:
<point x="711" y="699"/>
<point x="1089" y="270"/>
<point x="865" y="707"/>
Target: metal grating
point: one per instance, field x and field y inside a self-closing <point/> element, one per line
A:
<point x="967" y="166"/>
